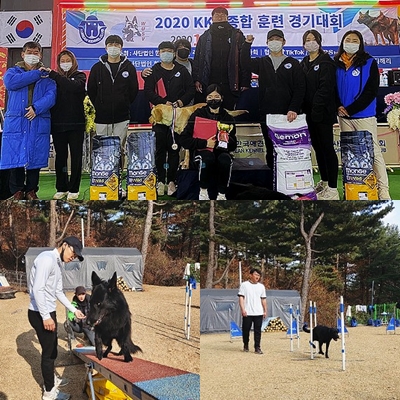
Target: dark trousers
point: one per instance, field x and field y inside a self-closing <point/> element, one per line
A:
<point x="167" y="159"/>
<point x="269" y="147"/>
<point x="79" y="328"/>
<point x="48" y="343"/>
<point x="18" y="182"/>
<point x="247" y="322"/>
<point x="322" y="142"/>
<point x="215" y="165"/>
<point x="74" y="140"/>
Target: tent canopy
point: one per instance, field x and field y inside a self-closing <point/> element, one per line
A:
<point x="126" y="261"/>
<point x="220" y="306"/>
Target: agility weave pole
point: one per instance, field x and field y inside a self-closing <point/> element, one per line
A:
<point x="188" y="300"/>
<point x="342" y="334"/>
<point x="141" y="379"/>
<point x="311" y="311"/>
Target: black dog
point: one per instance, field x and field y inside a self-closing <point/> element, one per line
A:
<point x="109" y="314"/>
<point x="323" y="334"/>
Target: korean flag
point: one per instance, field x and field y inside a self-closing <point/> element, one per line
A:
<point x="19" y="27"/>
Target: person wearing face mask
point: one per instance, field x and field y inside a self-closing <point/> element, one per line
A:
<point x="211" y="145"/>
<point x="217" y="60"/>
<point x="112" y="87"/>
<point x="357" y="76"/>
<point x="169" y="83"/>
<point x="68" y="124"/>
<point x="281" y="83"/>
<point x="25" y="140"/>
<point x="320" y="111"/>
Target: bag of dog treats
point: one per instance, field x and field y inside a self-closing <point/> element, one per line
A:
<point x="293" y="174"/>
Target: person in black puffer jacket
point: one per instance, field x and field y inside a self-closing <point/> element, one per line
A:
<point x="68" y="124"/>
<point x="211" y="143"/>
<point x="320" y="110"/>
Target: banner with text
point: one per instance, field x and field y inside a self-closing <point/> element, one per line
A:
<point x="143" y="30"/>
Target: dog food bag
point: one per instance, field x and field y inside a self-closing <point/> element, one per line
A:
<point x="105" y="176"/>
<point x="293" y="174"/>
<point x="357" y="153"/>
<point x="141" y="178"/>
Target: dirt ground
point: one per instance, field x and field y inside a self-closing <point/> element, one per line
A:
<point x="157" y="327"/>
<point x="372" y="359"/>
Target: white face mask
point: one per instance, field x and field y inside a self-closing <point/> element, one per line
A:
<point x="275" y="46"/>
<point x="311" y="46"/>
<point x="31" y="59"/>
<point x="167" y="57"/>
<point x="66" y="66"/>
<point x="351" y="48"/>
<point x="113" y="51"/>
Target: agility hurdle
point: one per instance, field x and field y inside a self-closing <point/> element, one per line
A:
<point x="294" y="326"/>
<point x="141" y="379"/>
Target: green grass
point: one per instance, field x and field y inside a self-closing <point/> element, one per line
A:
<point x="47" y="185"/>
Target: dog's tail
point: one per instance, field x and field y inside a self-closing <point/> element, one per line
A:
<point x="305" y="328"/>
<point x="134" y="349"/>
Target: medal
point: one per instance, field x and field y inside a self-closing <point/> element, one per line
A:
<point x="174" y="146"/>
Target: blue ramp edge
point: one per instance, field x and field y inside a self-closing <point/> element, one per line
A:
<point x="181" y="387"/>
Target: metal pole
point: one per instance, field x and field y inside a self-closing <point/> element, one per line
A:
<point x="83" y="232"/>
<point x="291" y="326"/>
<point x="189" y="312"/>
<point x="315" y="313"/>
<point x="311" y="330"/>
<point x="186" y="276"/>
<point x="298" y="326"/>
<point x="240" y="273"/>
<point x="342" y="333"/>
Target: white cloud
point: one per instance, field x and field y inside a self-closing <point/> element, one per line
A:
<point x="393" y="218"/>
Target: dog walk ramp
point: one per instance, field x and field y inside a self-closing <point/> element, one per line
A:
<point x="142" y="379"/>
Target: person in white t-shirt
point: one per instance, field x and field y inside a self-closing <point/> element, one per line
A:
<point x="253" y="305"/>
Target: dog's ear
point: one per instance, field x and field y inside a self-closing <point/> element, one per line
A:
<point x="112" y="283"/>
<point x="95" y="279"/>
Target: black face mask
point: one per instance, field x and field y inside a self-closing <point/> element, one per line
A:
<point x="214" y="104"/>
<point x="183" y="53"/>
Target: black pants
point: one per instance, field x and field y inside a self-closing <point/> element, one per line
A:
<point x="322" y="142"/>
<point x="18" y="183"/>
<point x="269" y="147"/>
<point x="167" y="159"/>
<point x="247" y="322"/>
<point x="48" y="343"/>
<point x="73" y="140"/>
<point x="215" y="165"/>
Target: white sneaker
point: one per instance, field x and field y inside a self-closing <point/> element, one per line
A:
<point x="55" y="394"/>
<point x="72" y="196"/>
<point x="328" y="194"/>
<point x="320" y="186"/>
<point x="221" y="196"/>
<point x="171" y="188"/>
<point x="59" y="195"/>
<point x="160" y="189"/>
<point x="59" y="382"/>
<point x="203" y="194"/>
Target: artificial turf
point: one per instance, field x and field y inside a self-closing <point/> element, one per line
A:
<point x="47" y="185"/>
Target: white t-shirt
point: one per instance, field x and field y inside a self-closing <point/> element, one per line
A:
<point x="253" y="293"/>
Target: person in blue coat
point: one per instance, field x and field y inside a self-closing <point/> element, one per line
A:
<point x="25" y="141"/>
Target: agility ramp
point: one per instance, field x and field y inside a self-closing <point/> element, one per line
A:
<point x="141" y="379"/>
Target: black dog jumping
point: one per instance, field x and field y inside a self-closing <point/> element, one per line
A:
<point x="110" y="316"/>
<point x="322" y="334"/>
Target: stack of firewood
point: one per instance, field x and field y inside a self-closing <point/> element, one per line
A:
<point x="276" y="325"/>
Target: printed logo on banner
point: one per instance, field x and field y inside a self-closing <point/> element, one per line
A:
<point x="23" y="29"/>
<point x="92" y="30"/>
<point x="131" y="29"/>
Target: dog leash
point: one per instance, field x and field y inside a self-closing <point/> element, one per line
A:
<point x="174" y="145"/>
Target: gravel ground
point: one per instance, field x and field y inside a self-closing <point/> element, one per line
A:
<point x="157" y="327"/>
<point x="372" y="358"/>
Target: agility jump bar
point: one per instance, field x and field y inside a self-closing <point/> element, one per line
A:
<point x="142" y="379"/>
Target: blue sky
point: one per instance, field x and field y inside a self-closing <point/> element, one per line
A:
<point x="393" y="218"/>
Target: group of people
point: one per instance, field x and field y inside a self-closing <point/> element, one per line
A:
<point x="342" y="89"/>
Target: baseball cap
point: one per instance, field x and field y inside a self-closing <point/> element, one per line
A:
<point x="275" y="32"/>
<point x="219" y="10"/>
<point x="166" y="45"/>
<point x="80" y="290"/>
<point x="114" y="39"/>
<point x="76" y="244"/>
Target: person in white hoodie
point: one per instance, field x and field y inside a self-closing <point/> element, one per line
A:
<point x="253" y="305"/>
<point x="45" y="287"/>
